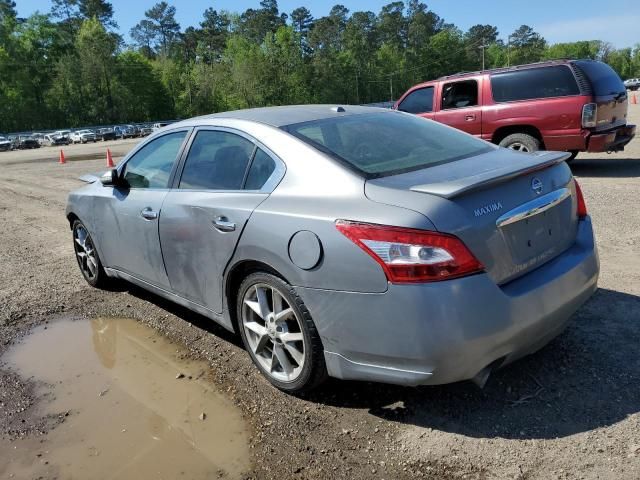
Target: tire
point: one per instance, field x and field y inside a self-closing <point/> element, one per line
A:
<point x="521" y="142"/>
<point x="85" y="251"/>
<point x="265" y="337"/>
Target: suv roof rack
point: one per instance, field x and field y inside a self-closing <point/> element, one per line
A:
<point x="558" y="61"/>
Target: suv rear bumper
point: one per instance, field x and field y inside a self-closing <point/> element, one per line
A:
<point x="611" y="141"/>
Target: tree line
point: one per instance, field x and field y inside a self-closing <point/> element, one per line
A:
<point x="71" y="66"/>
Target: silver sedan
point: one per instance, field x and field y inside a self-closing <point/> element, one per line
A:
<point x="351" y="242"/>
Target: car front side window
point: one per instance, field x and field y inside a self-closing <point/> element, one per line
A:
<point x="418" y="101"/>
<point x="150" y="167"/>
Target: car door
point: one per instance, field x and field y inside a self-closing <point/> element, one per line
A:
<point x="419" y="102"/>
<point x="130" y="213"/>
<point x="461" y="105"/>
<point x="225" y="176"/>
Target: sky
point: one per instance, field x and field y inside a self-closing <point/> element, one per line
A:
<point x="556" y="20"/>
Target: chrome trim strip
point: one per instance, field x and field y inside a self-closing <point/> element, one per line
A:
<point x="534" y="207"/>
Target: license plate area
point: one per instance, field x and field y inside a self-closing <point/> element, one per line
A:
<point x="537" y="229"/>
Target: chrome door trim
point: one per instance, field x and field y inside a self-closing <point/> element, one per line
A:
<point x="534" y="207"/>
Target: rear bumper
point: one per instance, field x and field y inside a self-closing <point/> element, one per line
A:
<point x="611" y="141"/>
<point x="449" y="331"/>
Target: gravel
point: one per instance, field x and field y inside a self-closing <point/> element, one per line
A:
<point x="568" y="411"/>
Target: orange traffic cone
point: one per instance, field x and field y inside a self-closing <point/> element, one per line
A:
<point x="634" y="100"/>
<point x="61" y="160"/>
<point x="109" y="159"/>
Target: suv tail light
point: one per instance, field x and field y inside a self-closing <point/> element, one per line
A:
<point x="582" y="206"/>
<point x="589" y="115"/>
<point x="412" y="256"/>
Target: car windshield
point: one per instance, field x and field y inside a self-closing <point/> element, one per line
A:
<point x="387" y="143"/>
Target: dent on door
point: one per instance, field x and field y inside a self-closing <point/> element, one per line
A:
<point x="199" y="232"/>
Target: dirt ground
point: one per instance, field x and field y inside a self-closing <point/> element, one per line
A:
<point x="570" y="411"/>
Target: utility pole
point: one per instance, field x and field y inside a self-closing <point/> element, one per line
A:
<point x="483" y="48"/>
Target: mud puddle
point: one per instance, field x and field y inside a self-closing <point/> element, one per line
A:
<point x="128" y="414"/>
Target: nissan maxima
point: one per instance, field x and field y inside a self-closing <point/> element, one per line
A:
<point x="351" y="242"/>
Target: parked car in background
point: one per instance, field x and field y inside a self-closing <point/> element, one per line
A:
<point x="63" y="133"/>
<point x="159" y="125"/>
<point x="83" y="136"/>
<point x="105" y="134"/>
<point x="54" y="140"/>
<point x="5" y="144"/>
<point x="436" y="258"/>
<point x="632" y="84"/>
<point x="26" y="142"/>
<point x="130" y="131"/>
<point x="145" y="130"/>
<point x="38" y="137"/>
<point x="567" y="105"/>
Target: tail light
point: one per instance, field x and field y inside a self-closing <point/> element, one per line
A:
<point x="412" y="256"/>
<point x="582" y="206"/>
<point x="589" y="115"/>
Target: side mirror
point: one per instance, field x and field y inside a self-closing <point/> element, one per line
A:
<point x="110" y="178"/>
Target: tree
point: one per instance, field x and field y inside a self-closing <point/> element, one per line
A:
<point x="214" y="34"/>
<point x="478" y="38"/>
<point x="159" y="30"/>
<point x="102" y="10"/>
<point x="526" y="46"/>
<point x="255" y="24"/>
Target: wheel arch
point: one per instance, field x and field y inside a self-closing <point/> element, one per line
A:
<point x="234" y="277"/>
<point x="503" y="132"/>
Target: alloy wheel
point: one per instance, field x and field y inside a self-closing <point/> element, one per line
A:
<point x="86" y="252"/>
<point x="519" y="147"/>
<point x="273" y="332"/>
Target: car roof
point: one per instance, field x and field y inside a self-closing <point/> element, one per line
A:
<point x="291" y="114"/>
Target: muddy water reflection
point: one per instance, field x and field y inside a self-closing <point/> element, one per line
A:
<point x="129" y="416"/>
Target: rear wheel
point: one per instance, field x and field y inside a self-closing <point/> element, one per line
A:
<point x="87" y="256"/>
<point x="521" y="142"/>
<point x="279" y="334"/>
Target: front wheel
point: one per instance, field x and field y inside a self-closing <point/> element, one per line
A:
<point x="87" y="256"/>
<point x="521" y="142"/>
<point x="279" y="334"/>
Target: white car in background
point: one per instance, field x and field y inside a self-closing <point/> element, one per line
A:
<point x="632" y="84"/>
<point x="5" y="144"/>
<point x="83" y="136"/>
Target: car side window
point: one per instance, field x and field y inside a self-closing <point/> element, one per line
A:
<point x="217" y="160"/>
<point x="150" y="167"/>
<point x="261" y="169"/>
<point x="418" y="101"/>
<point x="460" y="94"/>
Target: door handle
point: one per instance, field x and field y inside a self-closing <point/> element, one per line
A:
<point x="223" y="224"/>
<point x="149" y="214"/>
<point x="469" y="118"/>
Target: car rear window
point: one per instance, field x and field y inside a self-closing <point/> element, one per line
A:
<point x="545" y="82"/>
<point x="382" y="144"/>
<point x="604" y="80"/>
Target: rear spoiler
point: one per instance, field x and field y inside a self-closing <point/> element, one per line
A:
<point x="529" y="164"/>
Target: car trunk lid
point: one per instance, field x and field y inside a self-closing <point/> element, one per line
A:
<point x="514" y="211"/>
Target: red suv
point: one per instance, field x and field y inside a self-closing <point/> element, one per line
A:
<point x="569" y="105"/>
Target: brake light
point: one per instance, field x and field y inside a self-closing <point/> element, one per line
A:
<point x="589" y="115"/>
<point x="581" y="211"/>
<point x="412" y="256"/>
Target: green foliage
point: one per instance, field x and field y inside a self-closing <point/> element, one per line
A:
<point x="70" y="68"/>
